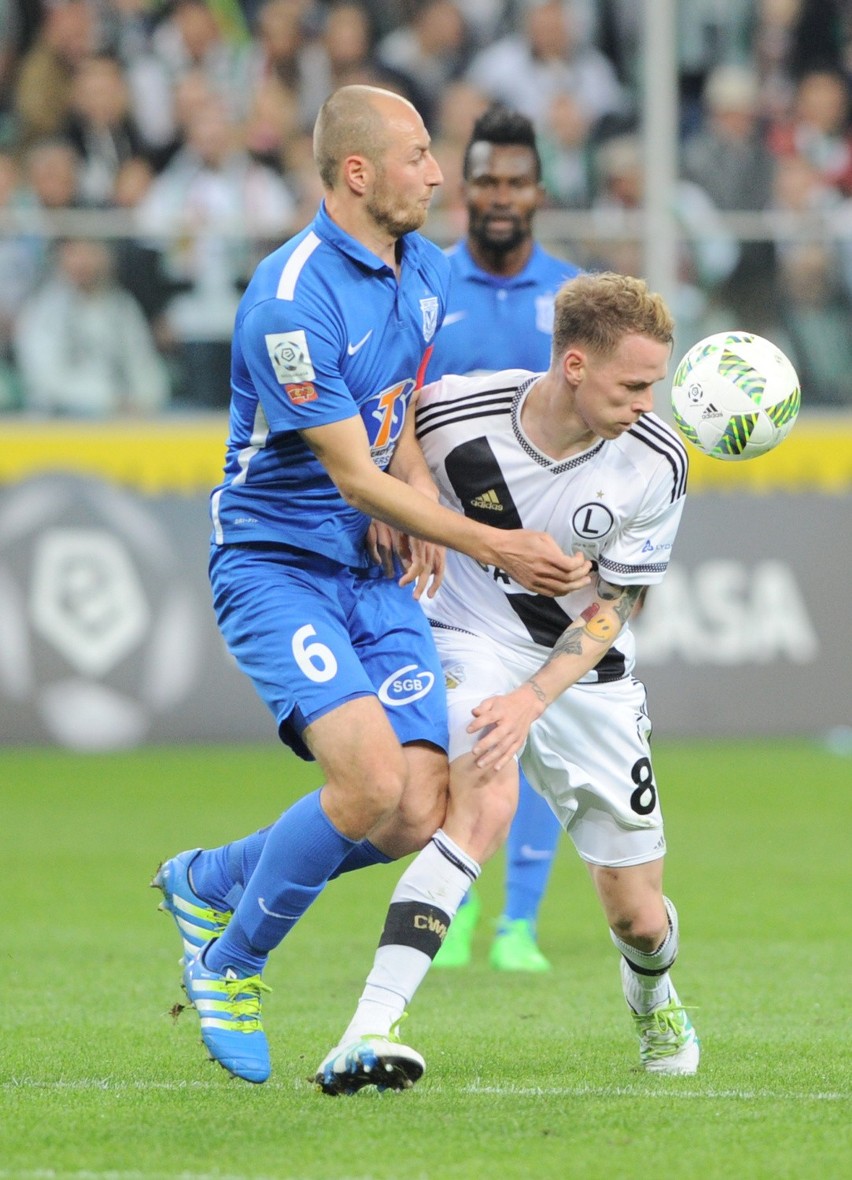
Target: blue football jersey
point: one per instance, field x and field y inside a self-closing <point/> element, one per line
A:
<point x="323" y="332"/>
<point x="498" y="323"/>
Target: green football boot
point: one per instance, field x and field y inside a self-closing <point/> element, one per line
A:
<point x="457" y="947"/>
<point x="515" y="948"/>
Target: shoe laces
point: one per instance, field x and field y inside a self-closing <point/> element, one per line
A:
<point x="665" y="1029"/>
<point x="393" y="1031"/>
<point x="391" y="1035"/>
<point x="219" y="917"/>
<point x="244" y="1000"/>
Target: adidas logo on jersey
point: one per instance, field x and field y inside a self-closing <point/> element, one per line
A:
<point x="488" y="499"/>
<point x="711" y="412"/>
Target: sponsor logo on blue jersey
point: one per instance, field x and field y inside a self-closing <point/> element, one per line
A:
<point x="406" y="685"/>
<point x="383" y="416"/>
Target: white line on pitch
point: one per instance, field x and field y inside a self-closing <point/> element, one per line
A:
<point x="637" y="1092"/>
<point x="673" y="1091"/>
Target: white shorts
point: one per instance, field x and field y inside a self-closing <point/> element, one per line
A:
<point x="588" y="754"/>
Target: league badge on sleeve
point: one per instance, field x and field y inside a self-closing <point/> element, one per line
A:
<point x="290" y="357"/>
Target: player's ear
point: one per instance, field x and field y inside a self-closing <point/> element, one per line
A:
<point x="573" y="366"/>
<point x="357" y="173"/>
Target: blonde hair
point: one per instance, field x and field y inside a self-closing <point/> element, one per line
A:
<point x="595" y="311"/>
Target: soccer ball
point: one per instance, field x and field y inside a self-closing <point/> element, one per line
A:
<point x="735" y="395"/>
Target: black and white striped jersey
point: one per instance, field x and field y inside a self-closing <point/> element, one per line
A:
<point x="619" y="502"/>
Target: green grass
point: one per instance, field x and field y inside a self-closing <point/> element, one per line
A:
<point x="526" y="1076"/>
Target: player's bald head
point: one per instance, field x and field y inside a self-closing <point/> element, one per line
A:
<point x="354" y="121"/>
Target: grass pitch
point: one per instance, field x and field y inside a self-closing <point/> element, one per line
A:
<point x="526" y="1076"/>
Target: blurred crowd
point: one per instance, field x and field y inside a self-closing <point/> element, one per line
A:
<point x="151" y="151"/>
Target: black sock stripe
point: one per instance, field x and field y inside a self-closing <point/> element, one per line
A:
<point x="647" y="970"/>
<point x="415" y="924"/>
<point x="453" y="859"/>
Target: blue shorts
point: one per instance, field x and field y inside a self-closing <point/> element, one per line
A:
<point x="313" y="634"/>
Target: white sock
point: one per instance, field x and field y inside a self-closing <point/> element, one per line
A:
<point x="647" y="984"/>
<point x="422" y="906"/>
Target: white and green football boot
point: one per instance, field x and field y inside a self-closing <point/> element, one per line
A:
<point x="383" y="1062"/>
<point x="668" y="1043"/>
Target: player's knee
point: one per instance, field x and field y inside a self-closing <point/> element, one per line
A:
<point x="424" y="804"/>
<point x="386" y="789"/>
<point x="424" y="819"/>
<point x="374" y="788"/>
<point x="643" y="926"/>
<point x="500" y="809"/>
<point x="480" y="813"/>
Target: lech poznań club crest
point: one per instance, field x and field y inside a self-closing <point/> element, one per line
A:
<point x="544" y="313"/>
<point x="429" y="308"/>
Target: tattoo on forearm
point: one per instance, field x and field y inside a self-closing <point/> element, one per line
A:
<point x="626" y="604"/>
<point x="623" y="598"/>
<point x="569" y="643"/>
<point x="599" y="628"/>
<point x="537" y="689"/>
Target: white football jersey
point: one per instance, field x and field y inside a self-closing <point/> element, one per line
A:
<point x="619" y="502"/>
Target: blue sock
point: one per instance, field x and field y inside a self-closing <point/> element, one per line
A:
<point x="532" y="842"/>
<point x="362" y="856"/>
<point x="218" y="875"/>
<point x="301" y="850"/>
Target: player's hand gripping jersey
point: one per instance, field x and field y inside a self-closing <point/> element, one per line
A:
<point x="620" y="502"/>
<point x="324" y="332"/>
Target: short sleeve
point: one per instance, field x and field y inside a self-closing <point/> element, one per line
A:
<point x="292" y="353"/>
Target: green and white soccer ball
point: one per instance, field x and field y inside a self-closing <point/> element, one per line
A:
<point x="735" y="395"/>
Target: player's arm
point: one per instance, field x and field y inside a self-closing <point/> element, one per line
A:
<point x="533" y="559"/>
<point x="504" y="721"/>
<point x="423" y="561"/>
<point x="409" y="463"/>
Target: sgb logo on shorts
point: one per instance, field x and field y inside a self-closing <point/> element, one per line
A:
<point x="406" y="685"/>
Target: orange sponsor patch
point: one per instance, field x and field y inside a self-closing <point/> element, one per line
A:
<point x="305" y="391"/>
